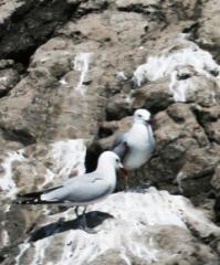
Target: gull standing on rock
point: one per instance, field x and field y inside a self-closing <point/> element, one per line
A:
<point x="136" y="146"/>
<point x="81" y="190"/>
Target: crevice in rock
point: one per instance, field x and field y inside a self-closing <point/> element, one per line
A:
<point x="10" y="251"/>
<point x="105" y="132"/>
<point x="31" y="26"/>
<point x="208" y="240"/>
<point x="2" y="259"/>
<point x="3" y="93"/>
<point x="152" y="12"/>
<point x="192" y="30"/>
<point x="92" y="154"/>
<point x="202" y="121"/>
<point x="21" y="136"/>
<point x="83" y="11"/>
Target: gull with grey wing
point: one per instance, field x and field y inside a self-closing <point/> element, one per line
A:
<point x="136" y="146"/>
<point x="81" y="190"/>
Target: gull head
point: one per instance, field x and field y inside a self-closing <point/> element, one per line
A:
<point x="109" y="158"/>
<point x="142" y="116"/>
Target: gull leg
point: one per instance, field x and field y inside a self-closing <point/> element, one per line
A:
<point x="84" y="224"/>
<point x="79" y="221"/>
<point x="126" y="183"/>
<point x="124" y="174"/>
<point x="76" y="211"/>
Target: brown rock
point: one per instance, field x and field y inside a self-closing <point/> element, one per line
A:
<point x="209" y="33"/>
<point x="215" y="182"/>
<point x="196" y="173"/>
<point x="153" y="96"/>
<point x="118" y="106"/>
<point x="113" y="129"/>
<point x="75" y="61"/>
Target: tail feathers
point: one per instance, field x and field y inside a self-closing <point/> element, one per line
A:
<point x="121" y="150"/>
<point x="35" y="197"/>
<point x="36" y="201"/>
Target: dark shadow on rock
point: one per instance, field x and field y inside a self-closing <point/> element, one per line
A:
<point x="93" y="219"/>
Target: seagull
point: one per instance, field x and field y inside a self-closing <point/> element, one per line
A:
<point x="81" y="190"/>
<point x="136" y="146"/>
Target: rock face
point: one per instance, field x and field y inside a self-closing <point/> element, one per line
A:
<point x="71" y="75"/>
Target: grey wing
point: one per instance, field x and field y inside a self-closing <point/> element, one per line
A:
<point x="120" y="146"/>
<point x="81" y="190"/>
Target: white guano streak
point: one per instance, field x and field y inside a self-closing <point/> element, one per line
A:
<point x="131" y="233"/>
<point x="165" y="65"/>
<point x="81" y="64"/>
<point x="68" y="155"/>
<point x="6" y="182"/>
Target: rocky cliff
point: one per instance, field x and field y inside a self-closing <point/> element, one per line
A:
<point x="71" y="75"/>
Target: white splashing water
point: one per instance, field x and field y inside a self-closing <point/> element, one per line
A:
<point x="132" y="233"/>
<point x="68" y="156"/>
<point x="6" y="181"/>
<point x="167" y="63"/>
<point x="81" y="64"/>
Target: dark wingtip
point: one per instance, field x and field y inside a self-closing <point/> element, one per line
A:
<point x="19" y="202"/>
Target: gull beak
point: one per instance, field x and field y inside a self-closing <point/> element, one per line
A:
<point x="121" y="166"/>
<point x="151" y="122"/>
<point x="123" y="172"/>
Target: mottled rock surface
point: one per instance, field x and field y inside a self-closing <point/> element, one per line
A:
<point x="71" y="75"/>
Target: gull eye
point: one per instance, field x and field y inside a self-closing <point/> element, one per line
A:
<point x="117" y="160"/>
<point x="139" y="115"/>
